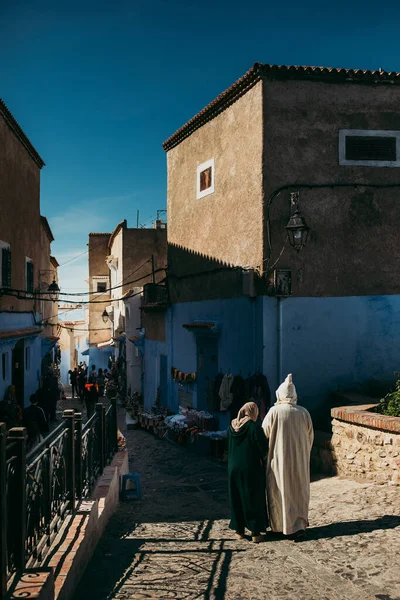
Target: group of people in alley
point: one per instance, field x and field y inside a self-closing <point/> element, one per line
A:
<point x="269" y="467"/>
<point x="38" y="414"/>
<point x="88" y="385"/>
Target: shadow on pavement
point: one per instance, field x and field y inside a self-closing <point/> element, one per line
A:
<point x="346" y="528"/>
<point x="168" y="566"/>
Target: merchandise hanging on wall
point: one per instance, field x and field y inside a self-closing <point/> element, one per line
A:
<point x="178" y="375"/>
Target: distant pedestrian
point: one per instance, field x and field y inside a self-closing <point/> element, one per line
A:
<point x="101" y="382"/>
<point x="35" y="422"/>
<point x="91" y="399"/>
<point x="43" y="396"/>
<point x="81" y="382"/>
<point x="73" y="378"/>
<point x="93" y="375"/>
<point x="290" y="432"/>
<point x="247" y="450"/>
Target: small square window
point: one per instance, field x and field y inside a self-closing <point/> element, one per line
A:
<point x="369" y="148"/>
<point x="101" y="286"/>
<point x="205" y="179"/>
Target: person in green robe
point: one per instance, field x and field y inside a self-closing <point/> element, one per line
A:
<point x="247" y="450"/>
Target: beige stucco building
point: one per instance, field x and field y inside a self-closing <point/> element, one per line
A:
<point x="119" y="262"/>
<point x="28" y="320"/>
<point x="279" y="130"/>
<point x="243" y="300"/>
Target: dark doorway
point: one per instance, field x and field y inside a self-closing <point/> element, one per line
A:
<point x="18" y="370"/>
<point x="207" y="369"/>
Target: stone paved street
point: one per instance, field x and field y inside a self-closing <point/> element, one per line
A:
<point x="175" y="543"/>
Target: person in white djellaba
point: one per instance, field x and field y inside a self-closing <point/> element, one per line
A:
<point x="290" y="432"/>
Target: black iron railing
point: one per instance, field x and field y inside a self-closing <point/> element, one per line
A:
<point x="40" y="489"/>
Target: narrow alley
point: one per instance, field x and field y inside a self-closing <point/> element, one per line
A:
<point x="175" y="543"/>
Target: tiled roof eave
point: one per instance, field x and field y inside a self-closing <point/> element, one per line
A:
<point x="20" y="134"/>
<point x="264" y="71"/>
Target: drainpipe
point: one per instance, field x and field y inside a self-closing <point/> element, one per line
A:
<point x="279" y="340"/>
<point x="171" y="354"/>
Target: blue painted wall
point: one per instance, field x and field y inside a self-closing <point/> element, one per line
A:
<point x="240" y="345"/>
<point x="98" y="357"/>
<point x="329" y="344"/>
<point x="332" y="344"/>
<point x="32" y="370"/>
<point x="151" y="380"/>
<point x="65" y="366"/>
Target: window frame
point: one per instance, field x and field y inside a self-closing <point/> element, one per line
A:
<point x="29" y="261"/>
<point x="8" y="247"/>
<point x="344" y="133"/>
<point x="100" y="279"/>
<point x="200" y="168"/>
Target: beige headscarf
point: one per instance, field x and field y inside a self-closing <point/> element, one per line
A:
<point x="248" y="412"/>
<point x="286" y="392"/>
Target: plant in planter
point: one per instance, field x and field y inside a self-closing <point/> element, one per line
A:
<point x="390" y="404"/>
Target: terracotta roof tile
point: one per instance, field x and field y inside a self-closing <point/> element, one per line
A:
<point x="13" y="333"/>
<point x="259" y="71"/>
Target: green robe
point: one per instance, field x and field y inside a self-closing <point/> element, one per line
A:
<point x="247" y="450"/>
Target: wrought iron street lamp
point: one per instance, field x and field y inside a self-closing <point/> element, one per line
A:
<point x="53" y="290"/>
<point x="297" y="228"/>
<point x="105" y="316"/>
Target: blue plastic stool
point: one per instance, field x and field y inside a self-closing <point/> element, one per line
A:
<point x="136" y="493"/>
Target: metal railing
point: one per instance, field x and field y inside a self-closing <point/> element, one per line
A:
<point x="40" y="489"/>
<point x="153" y="293"/>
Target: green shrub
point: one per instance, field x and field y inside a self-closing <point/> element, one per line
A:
<point x="390" y="404"/>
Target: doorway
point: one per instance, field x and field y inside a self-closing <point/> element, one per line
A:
<point x="18" y="370"/>
<point x="207" y="370"/>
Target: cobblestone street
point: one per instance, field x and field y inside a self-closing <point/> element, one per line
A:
<point x="175" y="543"/>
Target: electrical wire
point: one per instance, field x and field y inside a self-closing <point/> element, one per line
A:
<point x="78" y="328"/>
<point x="7" y="291"/>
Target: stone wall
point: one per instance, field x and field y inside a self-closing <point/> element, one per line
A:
<point x="366" y="445"/>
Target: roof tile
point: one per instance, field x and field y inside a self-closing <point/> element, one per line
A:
<point x="259" y="71"/>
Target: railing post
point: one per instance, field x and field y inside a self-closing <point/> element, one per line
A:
<point x="3" y="512"/>
<point x="101" y="411"/>
<point x="69" y="418"/>
<point x="78" y="455"/>
<point x="18" y="436"/>
<point x="114" y="438"/>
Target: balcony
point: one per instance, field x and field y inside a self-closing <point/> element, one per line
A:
<point x="155" y="297"/>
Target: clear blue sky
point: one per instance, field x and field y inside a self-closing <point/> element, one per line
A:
<point x="98" y="86"/>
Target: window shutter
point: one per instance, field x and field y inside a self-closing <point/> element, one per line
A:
<point x="6" y="267"/>
<point x="29" y="277"/>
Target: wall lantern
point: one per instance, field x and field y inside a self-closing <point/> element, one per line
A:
<point x="54" y="291"/>
<point x="105" y="316"/>
<point x="297" y="229"/>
